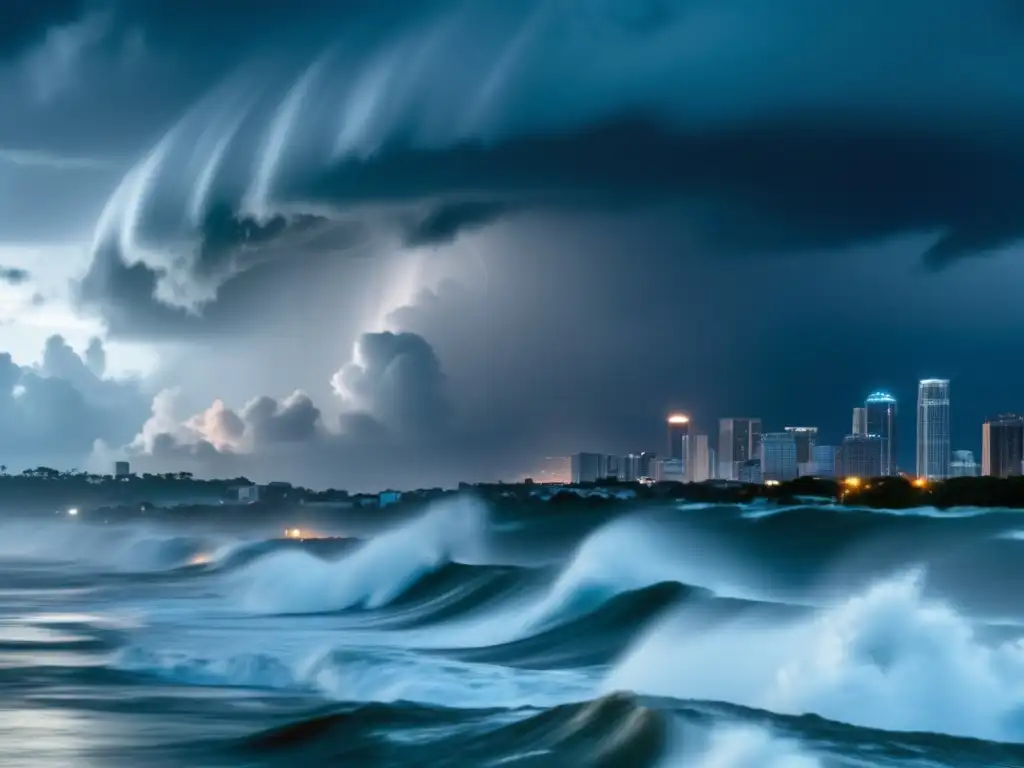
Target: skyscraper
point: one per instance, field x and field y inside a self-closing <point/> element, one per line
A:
<point x="678" y="430"/>
<point x="861" y="456"/>
<point x="778" y="456"/>
<point x="739" y="440"/>
<point x="805" y="438"/>
<point x="860" y="422"/>
<point x="697" y="459"/>
<point x="963" y="464"/>
<point x="880" y="410"/>
<point x="1002" y="446"/>
<point x="933" y="439"/>
<point x="588" y="467"/>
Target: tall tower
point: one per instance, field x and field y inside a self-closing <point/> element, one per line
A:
<point x="860" y="421"/>
<point x="880" y="408"/>
<point x="1002" y="446"/>
<point x="678" y="431"/>
<point x="933" y="443"/>
<point x="739" y="440"/>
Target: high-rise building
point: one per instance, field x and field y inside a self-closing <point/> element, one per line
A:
<point x="697" y="459"/>
<point x="824" y="460"/>
<point x="880" y="410"/>
<point x="805" y="438"/>
<point x="933" y="438"/>
<point x="778" y="456"/>
<point x="678" y="429"/>
<point x="588" y="467"/>
<point x="861" y="456"/>
<point x="1002" y="446"/>
<point x="122" y="469"/>
<point x="963" y="464"/>
<point x="860" y="421"/>
<point x="739" y="440"/>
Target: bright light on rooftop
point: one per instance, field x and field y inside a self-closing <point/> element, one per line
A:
<point x="678" y="418"/>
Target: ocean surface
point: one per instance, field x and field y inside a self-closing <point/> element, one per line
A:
<point x="709" y="636"/>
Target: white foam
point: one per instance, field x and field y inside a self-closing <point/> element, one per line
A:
<point x="375" y="574"/>
<point x="885" y="659"/>
<point x="749" y="747"/>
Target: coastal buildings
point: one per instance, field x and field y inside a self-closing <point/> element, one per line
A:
<point x="880" y="419"/>
<point x="860" y="456"/>
<point x="739" y="440"/>
<point x="588" y="467"/>
<point x="698" y="459"/>
<point x="778" y="456"/>
<point x="963" y="464"/>
<point x="860" y="421"/>
<point x="933" y="437"/>
<point x="824" y="458"/>
<point x="678" y="431"/>
<point x="1002" y="446"/>
<point x="805" y="439"/>
<point x="122" y="469"/>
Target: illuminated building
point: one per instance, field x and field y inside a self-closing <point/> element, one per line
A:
<point x="678" y="430"/>
<point x="861" y="456"/>
<point x="860" y="422"/>
<point x="697" y="465"/>
<point x="778" y="456"/>
<point x="963" y="464"/>
<point x="739" y="440"/>
<point x="933" y="438"/>
<point x="1002" y="446"/>
<point x="880" y="409"/>
<point x="805" y="438"/>
<point x="824" y="460"/>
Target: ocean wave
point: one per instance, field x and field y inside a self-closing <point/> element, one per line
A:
<point x="378" y="572"/>
<point x="363" y="674"/>
<point x="614" y="730"/>
<point x="887" y="659"/>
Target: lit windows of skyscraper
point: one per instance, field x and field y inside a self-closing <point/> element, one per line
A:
<point x="1002" y="446"/>
<point x="778" y="456"/>
<point x="933" y="438"/>
<point x="739" y="441"/>
<point x="880" y="410"/>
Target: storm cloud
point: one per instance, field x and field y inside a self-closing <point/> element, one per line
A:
<point x="449" y="118"/>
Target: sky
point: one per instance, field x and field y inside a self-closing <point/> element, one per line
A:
<point x="398" y="244"/>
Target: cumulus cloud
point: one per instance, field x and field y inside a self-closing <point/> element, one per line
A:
<point x="394" y="423"/>
<point x="56" y="410"/>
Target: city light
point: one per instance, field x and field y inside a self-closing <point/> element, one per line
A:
<point x="921" y="482"/>
<point x="772" y="482"/>
<point x="678" y="418"/>
<point x="293" y="533"/>
<point x="852" y="482"/>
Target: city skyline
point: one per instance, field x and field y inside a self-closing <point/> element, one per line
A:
<point x="294" y="247"/>
<point x="867" y="450"/>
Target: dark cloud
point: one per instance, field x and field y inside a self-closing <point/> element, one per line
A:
<point x="24" y="23"/>
<point x="441" y="118"/>
<point x="292" y="420"/>
<point x="13" y="275"/>
<point x="442" y="225"/>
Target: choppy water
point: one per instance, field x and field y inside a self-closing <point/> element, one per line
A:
<point x="717" y="637"/>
